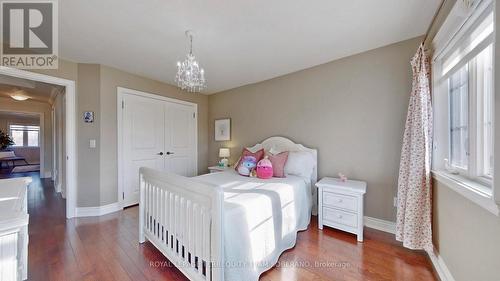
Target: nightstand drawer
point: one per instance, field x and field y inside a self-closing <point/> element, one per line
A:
<point x="340" y="217"/>
<point x="335" y="200"/>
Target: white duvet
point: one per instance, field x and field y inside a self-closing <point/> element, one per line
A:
<point x="262" y="218"/>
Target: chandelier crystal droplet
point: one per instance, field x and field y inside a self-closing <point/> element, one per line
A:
<point x="190" y="75"/>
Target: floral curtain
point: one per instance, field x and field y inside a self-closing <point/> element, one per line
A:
<point x="413" y="225"/>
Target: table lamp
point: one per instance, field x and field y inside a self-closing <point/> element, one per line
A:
<point x="224" y="154"/>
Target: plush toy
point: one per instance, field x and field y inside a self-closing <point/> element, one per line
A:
<point x="264" y="169"/>
<point x="342" y="177"/>
<point x="246" y="166"/>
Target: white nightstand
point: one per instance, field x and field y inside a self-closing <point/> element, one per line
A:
<point x="216" y="169"/>
<point x="340" y="205"/>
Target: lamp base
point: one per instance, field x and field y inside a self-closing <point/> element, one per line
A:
<point x="224" y="162"/>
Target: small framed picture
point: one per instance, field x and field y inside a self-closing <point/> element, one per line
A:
<point x="223" y="129"/>
<point x="88" y="117"/>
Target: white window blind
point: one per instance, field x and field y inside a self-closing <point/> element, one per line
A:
<point x="25" y="135"/>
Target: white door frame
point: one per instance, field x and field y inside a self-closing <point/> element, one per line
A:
<point x="121" y="91"/>
<point x="71" y="155"/>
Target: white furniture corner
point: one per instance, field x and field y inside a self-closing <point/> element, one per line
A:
<point x="341" y="205"/>
<point x="14" y="229"/>
<point x="217" y="169"/>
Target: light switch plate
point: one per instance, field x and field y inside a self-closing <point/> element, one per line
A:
<point x="92" y="143"/>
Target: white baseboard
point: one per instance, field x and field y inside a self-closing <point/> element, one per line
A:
<point x="97" y="211"/>
<point x="382" y="225"/>
<point x="440" y="267"/>
<point x="437" y="261"/>
<point x="58" y="188"/>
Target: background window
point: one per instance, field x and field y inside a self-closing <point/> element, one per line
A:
<point x="25" y="135"/>
<point x="17" y="137"/>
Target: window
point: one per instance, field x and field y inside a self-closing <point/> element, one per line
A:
<point x="24" y="135"/>
<point x="471" y="116"/>
<point x="464" y="101"/>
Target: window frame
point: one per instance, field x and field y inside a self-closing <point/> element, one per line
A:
<point x="475" y="157"/>
<point x="456" y="30"/>
<point x="25" y="143"/>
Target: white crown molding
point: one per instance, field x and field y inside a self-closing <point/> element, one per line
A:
<point x="382" y="225"/>
<point x="98" y="211"/>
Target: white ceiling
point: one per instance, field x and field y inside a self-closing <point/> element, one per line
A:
<point x="237" y="42"/>
<point x="35" y="91"/>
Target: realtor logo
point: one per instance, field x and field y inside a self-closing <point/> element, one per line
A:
<point x="29" y="34"/>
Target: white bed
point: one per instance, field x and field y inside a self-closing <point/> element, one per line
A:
<point x="224" y="226"/>
<point x="262" y="218"/>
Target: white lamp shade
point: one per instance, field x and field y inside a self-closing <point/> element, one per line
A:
<point x="224" y="152"/>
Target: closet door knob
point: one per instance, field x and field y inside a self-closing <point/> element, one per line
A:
<point x="169" y="153"/>
<point x="161" y="153"/>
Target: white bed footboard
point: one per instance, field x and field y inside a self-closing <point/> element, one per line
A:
<point x="184" y="220"/>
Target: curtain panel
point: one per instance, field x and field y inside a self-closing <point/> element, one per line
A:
<point x="413" y="225"/>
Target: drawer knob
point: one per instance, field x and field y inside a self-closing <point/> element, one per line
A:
<point x="339" y="216"/>
<point x="339" y="200"/>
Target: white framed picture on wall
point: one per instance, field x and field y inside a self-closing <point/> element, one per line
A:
<point x="223" y="129"/>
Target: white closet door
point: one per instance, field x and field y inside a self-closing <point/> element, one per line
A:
<point x="180" y="139"/>
<point x="143" y="141"/>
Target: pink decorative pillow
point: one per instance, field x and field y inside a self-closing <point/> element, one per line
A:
<point x="258" y="156"/>
<point x="278" y="161"/>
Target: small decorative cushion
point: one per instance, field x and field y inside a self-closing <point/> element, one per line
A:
<point x="278" y="161"/>
<point x="264" y="169"/>
<point x="7" y="154"/>
<point x="258" y="156"/>
<point x="247" y="164"/>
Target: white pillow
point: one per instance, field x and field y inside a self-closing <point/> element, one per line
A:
<point x="300" y="163"/>
<point x="5" y="154"/>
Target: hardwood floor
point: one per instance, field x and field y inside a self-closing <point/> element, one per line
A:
<point x="106" y="248"/>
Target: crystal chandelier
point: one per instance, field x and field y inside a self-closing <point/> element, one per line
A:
<point x="190" y="76"/>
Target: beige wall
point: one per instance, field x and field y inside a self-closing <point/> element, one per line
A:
<point x="88" y="99"/>
<point x="7" y="104"/>
<point x="98" y="93"/>
<point x="111" y="79"/>
<point x="6" y="118"/>
<point x="466" y="236"/>
<point x="352" y="110"/>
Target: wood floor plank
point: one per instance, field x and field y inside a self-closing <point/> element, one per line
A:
<point x="106" y="248"/>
